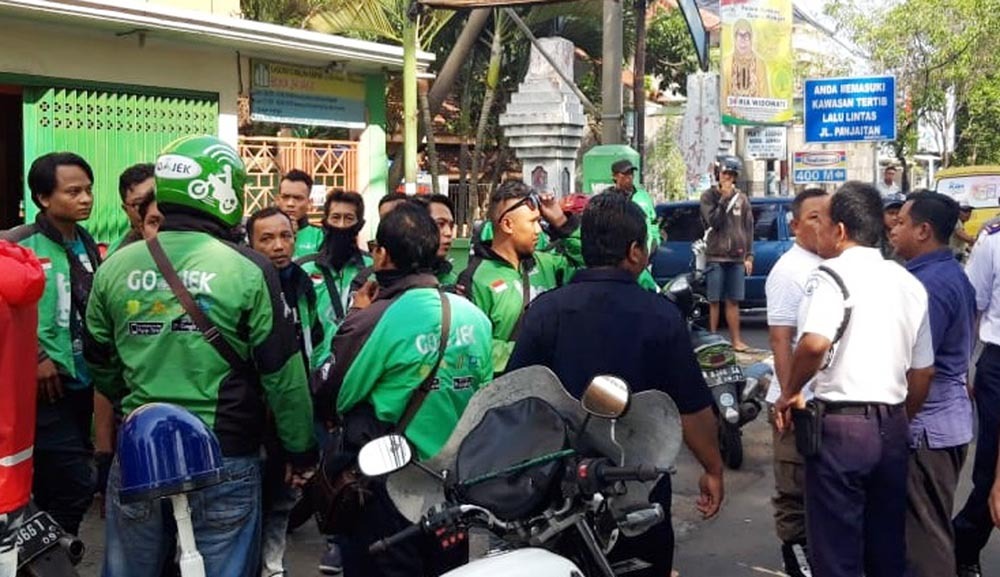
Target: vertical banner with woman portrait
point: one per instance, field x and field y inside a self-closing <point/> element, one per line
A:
<point x="757" y="62"/>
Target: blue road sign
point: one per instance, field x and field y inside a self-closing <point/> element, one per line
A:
<point x="850" y="109"/>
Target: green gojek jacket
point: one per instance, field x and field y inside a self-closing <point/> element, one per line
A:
<point x="333" y="288"/>
<point x="385" y="351"/>
<point x="497" y="288"/>
<point x="444" y="272"/>
<point x="308" y="240"/>
<point x="66" y="288"/>
<point x="142" y="347"/>
<point x="298" y="289"/>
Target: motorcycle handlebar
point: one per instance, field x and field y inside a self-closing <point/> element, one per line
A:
<point x="391" y="541"/>
<point x="608" y="474"/>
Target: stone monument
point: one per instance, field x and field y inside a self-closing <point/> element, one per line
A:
<point x="544" y="121"/>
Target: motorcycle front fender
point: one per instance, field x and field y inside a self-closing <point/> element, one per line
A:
<point x="530" y="562"/>
<point x="727" y="399"/>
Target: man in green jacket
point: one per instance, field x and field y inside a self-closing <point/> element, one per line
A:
<point x="60" y="185"/>
<point x="506" y="273"/>
<point x="143" y="347"/>
<point x="384" y="352"/>
<point x="270" y="233"/>
<point x="338" y="261"/>
<point x="293" y="200"/>
<point x="135" y="186"/>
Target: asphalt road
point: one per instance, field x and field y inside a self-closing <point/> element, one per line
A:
<point x="739" y="542"/>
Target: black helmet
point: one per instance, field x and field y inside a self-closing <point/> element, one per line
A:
<point x="729" y="163"/>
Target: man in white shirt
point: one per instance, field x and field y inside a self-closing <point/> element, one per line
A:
<point x="866" y="347"/>
<point x="888" y="186"/>
<point x="786" y="289"/>
<point x="973" y="526"/>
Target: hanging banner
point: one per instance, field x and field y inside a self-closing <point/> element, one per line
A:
<point x="701" y="130"/>
<point x="757" y="62"/>
<point x="291" y="94"/>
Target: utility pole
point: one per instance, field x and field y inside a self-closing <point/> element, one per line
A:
<point x="639" y="83"/>
<point x="410" y="102"/>
<point x="611" y="73"/>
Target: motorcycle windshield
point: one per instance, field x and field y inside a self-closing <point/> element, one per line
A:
<point x="649" y="433"/>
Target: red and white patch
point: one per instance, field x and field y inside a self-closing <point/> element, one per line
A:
<point x="317" y="278"/>
<point x="46" y="263"/>
<point x="498" y="286"/>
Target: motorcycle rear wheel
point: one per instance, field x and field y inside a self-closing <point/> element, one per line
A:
<point x="731" y="445"/>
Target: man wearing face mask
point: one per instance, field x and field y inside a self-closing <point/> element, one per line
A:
<point x="506" y="273"/>
<point x="339" y="259"/>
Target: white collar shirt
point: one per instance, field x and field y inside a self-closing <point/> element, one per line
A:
<point x="984" y="264"/>
<point x="887" y="189"/>
<point x="888" y="333"/>
<point x="786" y="290"/>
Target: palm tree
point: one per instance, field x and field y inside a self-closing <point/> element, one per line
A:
<point x="387" y="20"/>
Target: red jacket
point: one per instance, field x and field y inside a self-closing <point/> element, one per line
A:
<point x="21" y="284"/>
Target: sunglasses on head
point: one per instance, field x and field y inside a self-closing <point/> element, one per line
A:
<point x="531" y="201"/>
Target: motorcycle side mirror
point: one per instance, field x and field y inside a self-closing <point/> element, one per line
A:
<point x="384" y="455"/>
<point x="606" y="397"/>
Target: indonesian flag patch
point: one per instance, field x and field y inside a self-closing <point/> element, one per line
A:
<point x="46" y="263"/>
<point x="498" y="286"/>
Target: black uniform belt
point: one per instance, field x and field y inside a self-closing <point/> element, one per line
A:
<point x="848" y="408"/>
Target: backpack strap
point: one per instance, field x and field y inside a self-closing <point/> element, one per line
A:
<point x="204" y="324"/>
<point x="418" y="396"/>
<point x="848" y="309"/>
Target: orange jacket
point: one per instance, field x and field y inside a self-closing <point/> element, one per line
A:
<point x="21" y="284"/>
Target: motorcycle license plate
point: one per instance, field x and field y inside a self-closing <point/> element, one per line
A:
<point x="35" y="535"/>
<point x="724" y="375"/>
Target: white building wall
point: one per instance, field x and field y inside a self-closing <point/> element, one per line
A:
<point x="68" y="53"/>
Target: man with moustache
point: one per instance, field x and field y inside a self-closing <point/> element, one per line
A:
<point x="293" y="200"/>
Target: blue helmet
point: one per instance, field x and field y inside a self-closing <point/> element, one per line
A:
<point x="164" y="450"/>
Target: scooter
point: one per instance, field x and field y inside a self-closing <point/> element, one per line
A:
<point x="739" y="394"/>
<point x="555" y="512"/>
<point x="44" y="549"/>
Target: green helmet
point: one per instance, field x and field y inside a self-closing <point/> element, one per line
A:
<point x="203" y="173"/>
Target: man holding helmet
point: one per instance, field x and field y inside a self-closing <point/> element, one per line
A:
<point x="235" y="352"/>
<point x="728" y="220"/>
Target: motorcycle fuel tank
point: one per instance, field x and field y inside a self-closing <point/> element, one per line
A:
<point x="529" y="562"/>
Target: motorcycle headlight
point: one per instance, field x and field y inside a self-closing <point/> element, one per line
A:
<point x="679" y="285"/>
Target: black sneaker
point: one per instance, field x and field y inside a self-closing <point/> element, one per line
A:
<point x="331" y="563"/>
<point x="795" y="557"/>
<point x="970" y="570"/>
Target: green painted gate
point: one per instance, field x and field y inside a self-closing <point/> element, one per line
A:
<point x="112" y="130"/>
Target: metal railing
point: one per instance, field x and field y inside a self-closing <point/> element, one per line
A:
<point x="331" y="163"/>
<point x="465" y="208"/>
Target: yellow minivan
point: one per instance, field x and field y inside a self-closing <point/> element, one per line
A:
<point x="976" y="186"/>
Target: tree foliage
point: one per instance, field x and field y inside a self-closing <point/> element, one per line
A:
<point x="933" y="46"/>
<point x="670" y="53"/>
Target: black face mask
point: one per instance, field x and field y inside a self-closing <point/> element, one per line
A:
<point x="340" y="244"/>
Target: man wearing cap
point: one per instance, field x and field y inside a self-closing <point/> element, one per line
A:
<point x="623" y="173"/>
<point x="961" y="242"/>
<point x="891" y="206"/>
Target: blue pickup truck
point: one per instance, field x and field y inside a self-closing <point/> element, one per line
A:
<point x="681" y="223"/>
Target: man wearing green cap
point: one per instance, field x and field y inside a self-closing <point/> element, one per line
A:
<point x="623" y="173"/>
<point x="143" y="346"/>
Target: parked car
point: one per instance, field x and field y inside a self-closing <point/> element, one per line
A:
<point x="680" y="223"/>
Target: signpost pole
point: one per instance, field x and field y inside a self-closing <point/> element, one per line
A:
<point x="410" y="105"/>
<point x="611" y="74"/>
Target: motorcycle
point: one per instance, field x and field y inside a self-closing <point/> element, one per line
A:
<point x="558" y="509"/>
<point x="44" y="549"/>
<point x="739" y="394"/>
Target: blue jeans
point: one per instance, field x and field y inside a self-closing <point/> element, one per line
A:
<point x="226" y="518"/>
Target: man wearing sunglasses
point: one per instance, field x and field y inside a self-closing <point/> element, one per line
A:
<point x="506" y="273"/>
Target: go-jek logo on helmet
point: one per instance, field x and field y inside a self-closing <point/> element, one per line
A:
<point x="204" y="173"/>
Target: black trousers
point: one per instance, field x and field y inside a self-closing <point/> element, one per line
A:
<point x="856" y="495"/>
<point x="930" y="498"/>
<point x="973" y="525"/>
<point x="64" y="479"/>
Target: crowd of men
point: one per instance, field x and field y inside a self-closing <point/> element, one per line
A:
<point x="302" y="341"/>
<point x="299" y="333"/>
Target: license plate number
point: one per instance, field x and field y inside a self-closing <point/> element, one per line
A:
<point x="35" y="535"/>
<point x="724" y="375"/>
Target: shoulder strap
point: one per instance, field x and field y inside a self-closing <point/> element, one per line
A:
<point x="466" y="276"/>
<point x="848" y="308"/>
<point x="525" y="301"/>
<point x="417" y="399"/>
<point x="334" y="292"/>
<point x="206" y="326"/>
